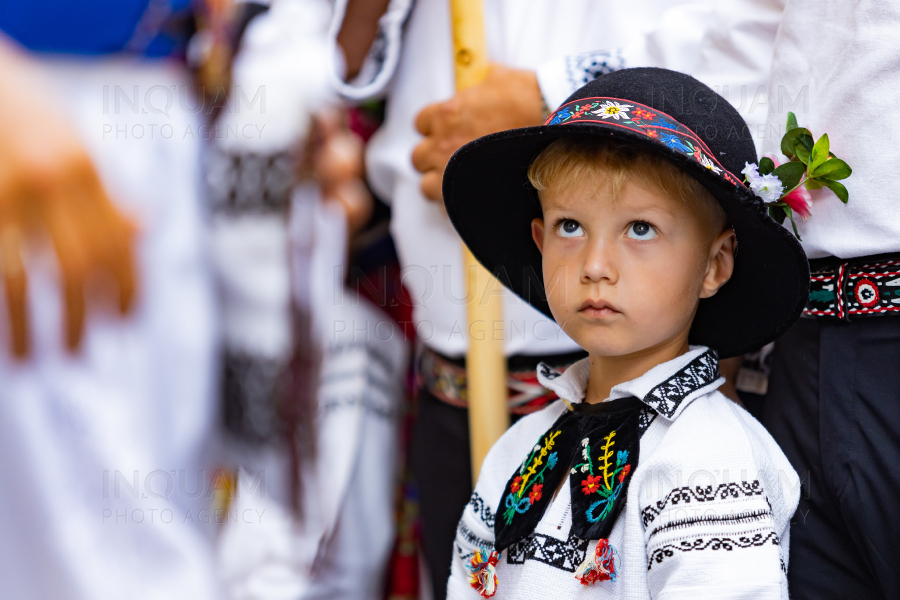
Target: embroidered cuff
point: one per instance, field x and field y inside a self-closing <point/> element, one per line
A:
<point x="381" y="61"/>
<point x="560" y="77"/>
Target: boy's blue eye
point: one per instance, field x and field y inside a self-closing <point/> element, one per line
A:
<point x="569" y="228"/>
<point x="639" y="230"/>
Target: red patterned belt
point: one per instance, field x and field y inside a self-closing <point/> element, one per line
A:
<point x="868" y="286"/>
<point x="446" y="381"/>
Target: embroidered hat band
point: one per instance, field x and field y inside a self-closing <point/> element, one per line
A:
<point x="655" y="124"/>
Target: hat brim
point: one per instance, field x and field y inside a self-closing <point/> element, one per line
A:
<point x="491" y="204"/>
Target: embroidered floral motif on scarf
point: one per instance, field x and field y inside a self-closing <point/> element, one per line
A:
<point x="526" y="488"/>
<point x="599" y="480"/>
<point x="608" y="484"/>
<point x="644" y="119"/>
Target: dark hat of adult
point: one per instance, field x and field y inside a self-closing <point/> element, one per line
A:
<point x="491" y="202"/>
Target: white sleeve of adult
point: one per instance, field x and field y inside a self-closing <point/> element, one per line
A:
<point x="722" y="43"/>
<point x="380" y="64"/>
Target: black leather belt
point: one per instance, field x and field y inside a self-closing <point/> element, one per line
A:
<point x="868" y="286"/>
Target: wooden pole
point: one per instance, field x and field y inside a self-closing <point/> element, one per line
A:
<point x="485" y="360"/>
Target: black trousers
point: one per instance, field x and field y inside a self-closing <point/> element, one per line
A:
<point x="834" y="407"/>
<point x="441" y="466"/>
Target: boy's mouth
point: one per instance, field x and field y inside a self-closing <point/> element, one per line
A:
<point x="597" y="309"/>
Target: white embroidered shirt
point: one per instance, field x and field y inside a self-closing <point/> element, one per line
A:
<point x="707" y="512"/>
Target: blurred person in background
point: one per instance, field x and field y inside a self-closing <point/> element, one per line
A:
<point x="541" y="52"/>
<point x="113" y="449"/>
<point x="104" y="421"/>
<point x="305" y="360"/>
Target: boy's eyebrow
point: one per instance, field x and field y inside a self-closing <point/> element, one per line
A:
<point x="563" y="206"/>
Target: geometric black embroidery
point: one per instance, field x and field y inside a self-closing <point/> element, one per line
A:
<point x="699" y="373"/>
<point x="730" y="519"/>
<point x="584" y="68"/>
<point x="685" y="495"/>
<point x="645" y="418"/>
<point x="480" y="507"/>
<point x="565" y="555"/>
<point x="242" y="183"/>
<point x="547" y="371"/>
<point x="472" y="539"/>
<point x="713" y="543"/>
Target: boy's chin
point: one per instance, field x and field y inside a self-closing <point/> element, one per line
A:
<point x="604" y="345"/>
<point x="607" y="343"/>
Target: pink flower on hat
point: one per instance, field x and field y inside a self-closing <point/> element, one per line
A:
<point x="799" y="200"/>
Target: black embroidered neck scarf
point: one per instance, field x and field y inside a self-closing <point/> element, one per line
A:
<point x="599" y="445"/>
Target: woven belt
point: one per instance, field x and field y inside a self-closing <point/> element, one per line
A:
<point x="868" y="286"/>
<point x="446" y="381"/>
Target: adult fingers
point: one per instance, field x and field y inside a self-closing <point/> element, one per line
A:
<point x="15" y="281"/>
<point x="72" y="253"/>
<point x="431" y="185"/>
<point x="425" y="155"/>
<point x="113" y="237"/>
<point x="426" y="117"/>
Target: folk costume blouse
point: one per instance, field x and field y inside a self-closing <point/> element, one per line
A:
<point x="666" y="490"/>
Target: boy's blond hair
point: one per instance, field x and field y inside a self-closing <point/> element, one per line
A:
<point x="610" y="164"/>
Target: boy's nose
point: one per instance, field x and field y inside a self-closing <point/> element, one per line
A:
<point x="600" y="264"/>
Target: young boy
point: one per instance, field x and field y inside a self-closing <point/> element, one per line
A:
<point x="643" y="481"/>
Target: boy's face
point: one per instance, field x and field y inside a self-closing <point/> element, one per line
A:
<point x="625" y="275"/>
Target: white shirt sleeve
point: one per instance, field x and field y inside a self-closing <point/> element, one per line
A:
<point x="725" y="41"/>
<point x="381" y="61"/>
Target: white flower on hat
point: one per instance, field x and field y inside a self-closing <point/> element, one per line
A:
<point x="768" y="187"/>
<point x="613" y="109"/>
<point x="751" y="172"/>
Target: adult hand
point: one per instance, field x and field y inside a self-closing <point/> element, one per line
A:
<point x="48" y="185"/>
<point x="338" y="164"/>
<point x="507" y="99"/>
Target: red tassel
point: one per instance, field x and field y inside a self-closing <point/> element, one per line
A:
<point x="483" y="572"/>
<point x="600" y="566"/>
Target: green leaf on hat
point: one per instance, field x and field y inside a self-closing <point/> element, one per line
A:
<point x="833" y="168"/>
<point x="802" y="153"/>
<point x="790" y="174"/>
<point x="812" y="184"/>
<point x="790" y="215"/>
<point x="819" y="152"/>
<point x="766" y="166"/>
<point x="791" y="122"/>
<point x="797" y="135"/>
<point x="839" y="190"/>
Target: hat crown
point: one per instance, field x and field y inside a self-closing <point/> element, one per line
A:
<point x="693" y="104"/>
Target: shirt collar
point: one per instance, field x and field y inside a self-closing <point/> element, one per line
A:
<point x="666" y="388"/>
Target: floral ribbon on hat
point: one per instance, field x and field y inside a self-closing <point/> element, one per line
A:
<point x="654" y="123"/>
<point x="597" y="447"/>
<point x="811" y="166"/>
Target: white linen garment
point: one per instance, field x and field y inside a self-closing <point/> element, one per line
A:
<point x="103" y="453"/>
<point x="707" y="512"/>
<point x="725" y="44"/>
<point x="339" y="550"/>
<point x="836" y="67"/>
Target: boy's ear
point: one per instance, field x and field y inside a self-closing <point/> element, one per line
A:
<point x="720" y="265"/>
<point x="537" y="233"/>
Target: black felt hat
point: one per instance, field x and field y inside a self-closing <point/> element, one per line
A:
<point x="491" y="203"/>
